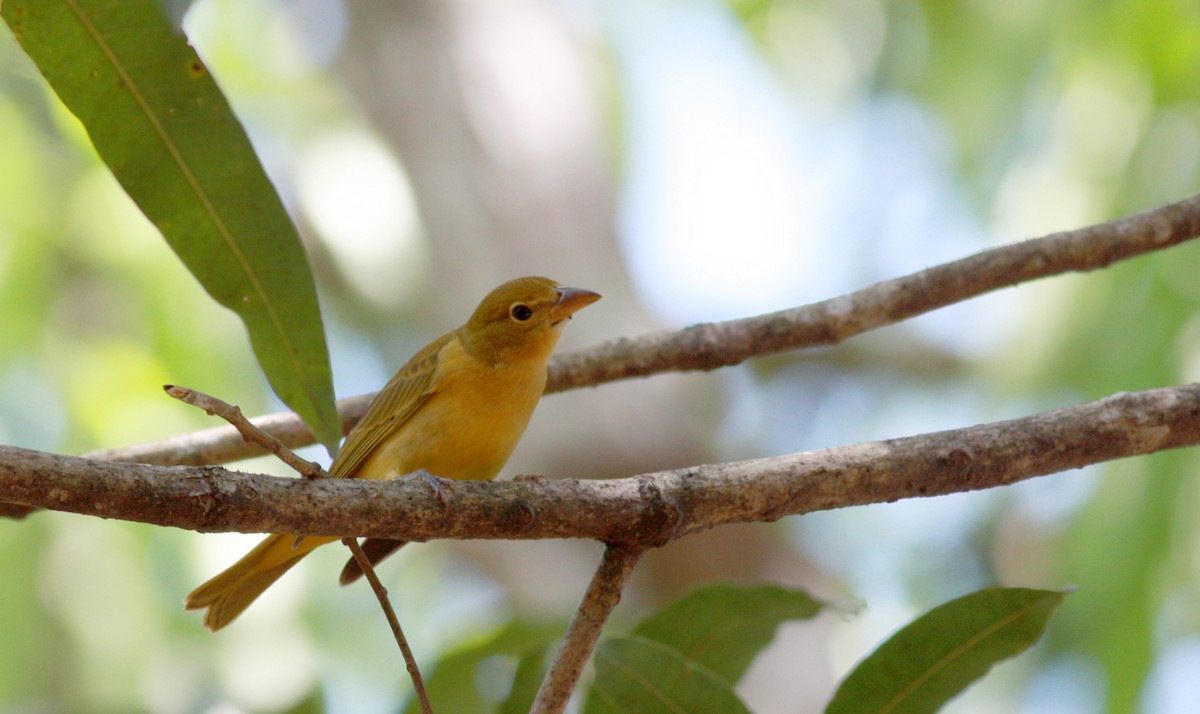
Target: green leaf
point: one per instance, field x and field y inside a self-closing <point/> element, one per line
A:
<point x="467" y="679"/>
<point x="939" y="654"/>
<point x="635" y="675"/>
<point x="157" y="118"/>
<point x="531" y="670"/>
<point x="1119" y="550"/>
<point x="723" y="627"/>
<point x="314" y="703"/>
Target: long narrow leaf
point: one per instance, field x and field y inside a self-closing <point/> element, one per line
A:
<point x="722" y="627"/>
<point x="157" y="118"/>
<point x="939" y="654"/>
<point x="639" y="676"/>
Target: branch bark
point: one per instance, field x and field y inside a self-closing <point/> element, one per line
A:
<point x="722" y="344"/>
<point x="310" y="470"/>
<point x="640" y="511"/>
<point x="575" y="651"/>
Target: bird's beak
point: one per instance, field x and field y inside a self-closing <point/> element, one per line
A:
<point x="570" y="301"/>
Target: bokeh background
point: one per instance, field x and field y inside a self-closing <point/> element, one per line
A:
<point x="693" y="161"/>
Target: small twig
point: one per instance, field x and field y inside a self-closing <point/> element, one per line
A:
<point x="603" y="594"/>
<point x="250" y="433"/>
<point x="223" y="444"/>
<point x="381" y="594"/>
<point x="313" y="470"/>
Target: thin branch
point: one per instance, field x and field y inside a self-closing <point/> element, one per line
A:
<point x="310" y="470"/>
<point x="829" y="322"/>
<point x="721" y="344"/>
<point x="410" y="661"/>
<point x="250" y="433"/>
<point x="575" y="650"/>
<point x="223" y="444"/>
<point x="644" y="510"/>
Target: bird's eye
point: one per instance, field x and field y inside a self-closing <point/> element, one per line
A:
<point x="520" y="312"/>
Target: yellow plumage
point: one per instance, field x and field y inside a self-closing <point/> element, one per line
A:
<point x="457" y="410"/>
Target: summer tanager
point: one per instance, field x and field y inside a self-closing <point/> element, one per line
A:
<point x="456" y="410"/>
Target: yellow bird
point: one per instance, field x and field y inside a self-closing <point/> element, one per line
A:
<point x="456" y="410"/>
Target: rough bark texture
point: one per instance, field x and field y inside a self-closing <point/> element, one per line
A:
<point x="602" y="596"/>
<point x="712" y="345"/>
<point x="642" y="511"/>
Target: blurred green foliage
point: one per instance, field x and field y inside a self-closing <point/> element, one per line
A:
<point x="479" y="675"/>
<point x="1059" y="115"/>
<point x="1056" y="115"/>
<point x="158" y="120"/>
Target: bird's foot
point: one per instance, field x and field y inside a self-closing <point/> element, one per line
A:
<point x="437" y="484"/>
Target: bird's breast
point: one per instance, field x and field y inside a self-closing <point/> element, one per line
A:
<point x="469" y="426"/>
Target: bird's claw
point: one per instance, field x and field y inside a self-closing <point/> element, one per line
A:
<point x="435" y="483"/>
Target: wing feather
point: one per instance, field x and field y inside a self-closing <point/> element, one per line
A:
<point x="396" y="403"/>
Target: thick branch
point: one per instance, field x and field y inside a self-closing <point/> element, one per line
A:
<point x="639" y="511"/>
<point x="721" y="344"/>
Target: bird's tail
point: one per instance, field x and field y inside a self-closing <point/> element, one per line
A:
<point x="231" y="591"/>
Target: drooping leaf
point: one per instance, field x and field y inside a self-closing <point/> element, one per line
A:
<point x="531" y="670"/>
<point x="467" y="679"/>
<point x="722" y="627"/>
<point x="160" y="123"/>
<point x="635" y="675"/>
<point x="939" y="654"/>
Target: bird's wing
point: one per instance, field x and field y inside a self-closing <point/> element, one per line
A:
<point x="376" y="549"/>
<point x="395" y="404"/>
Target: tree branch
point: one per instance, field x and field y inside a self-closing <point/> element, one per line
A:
<point x="310" y="470"/>
<point x="639" y="511"/>
<point x="575" y="651"/>
<point x="381" y="594"/>
<point x="250" y="433"/>
<point x="721" y="344"/>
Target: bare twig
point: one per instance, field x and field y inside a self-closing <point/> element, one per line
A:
<point x="644" y="510"/>
<point x="721" y="344"/>
<point x="309" y="470"/>
<point x="250" y="433"/>
<point x="575" y="650"/>
<point x="222" y="444"/>
<point x="410" y="661"/>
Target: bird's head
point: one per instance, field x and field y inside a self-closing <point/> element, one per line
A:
<point x="522" y="319"/>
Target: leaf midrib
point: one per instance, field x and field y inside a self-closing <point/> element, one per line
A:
<point x="190" y="178"/>
<point x="955" y="654"/>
